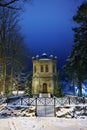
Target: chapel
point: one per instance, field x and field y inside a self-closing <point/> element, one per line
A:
<point x="44" y="80"/>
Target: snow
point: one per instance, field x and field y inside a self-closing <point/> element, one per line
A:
<point x="17" y="110"/>
<point x="18" y="92"/>
<point x="42" y="123"/>
<point x="44" y="59"/>
<point x="22" y="117"/>
<point x="71" y="111"/>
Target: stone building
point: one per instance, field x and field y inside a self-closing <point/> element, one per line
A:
<point x="44" y="80"/>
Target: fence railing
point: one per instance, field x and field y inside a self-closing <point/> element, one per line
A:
<point x="46" y="105"/>
<point x="48" y="101"/>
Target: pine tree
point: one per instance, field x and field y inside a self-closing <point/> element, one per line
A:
<point x="58" y="91"/>
<point x="77" y="62"/>
<point x="28" y="89"/>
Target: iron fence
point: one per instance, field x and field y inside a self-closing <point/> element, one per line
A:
<point x="46" y="106"/>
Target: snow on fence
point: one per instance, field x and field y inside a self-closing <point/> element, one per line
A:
<point x="44" y="106"/>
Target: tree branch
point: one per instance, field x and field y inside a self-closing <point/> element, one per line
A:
<point x="8" y="3"/>
<point x="10" y="7"/>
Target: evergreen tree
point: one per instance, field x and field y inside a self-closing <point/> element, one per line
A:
<point x="77" y="62"/>
<point x="58" y="91"/>
<point x="28" y="89"/>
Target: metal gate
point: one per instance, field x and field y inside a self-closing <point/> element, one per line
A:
<point x="45" y="107"/>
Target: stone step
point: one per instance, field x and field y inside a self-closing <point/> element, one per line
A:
<point x="44" y="95"/>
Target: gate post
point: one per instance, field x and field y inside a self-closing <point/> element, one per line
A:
<point x="45" y="106"/>
<point x="54" y="107"/>
<point x="21" y="100"/>
<point x="36" y="106"/>
<point x="69" y="100"/>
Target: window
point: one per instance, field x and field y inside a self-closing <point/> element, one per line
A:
<point x="46" y="68"/>
<point x="35" y="69"/>
<point x="42" y="69"/>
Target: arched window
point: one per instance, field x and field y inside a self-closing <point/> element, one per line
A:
<point x="35" y="69"/>
<point x="41" y="68"/>
<point x="46" y="68"/>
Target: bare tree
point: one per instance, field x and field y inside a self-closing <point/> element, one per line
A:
<point x="12" y="49"/>
<point x="13" y="4"/>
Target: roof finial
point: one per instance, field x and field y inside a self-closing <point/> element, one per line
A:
<point x="44" y="55"/>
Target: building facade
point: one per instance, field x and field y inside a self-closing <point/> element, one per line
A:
<point x="44" y="78"/>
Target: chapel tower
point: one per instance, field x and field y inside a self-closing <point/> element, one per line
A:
<point x="44" y="80"/>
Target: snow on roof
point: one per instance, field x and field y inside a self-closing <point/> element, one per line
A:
<point x="55" y="57"/>
<point x="44" y="54"/>
<point x="44" y="59"/>
<point x="37" y="56"/>
<point x="51" y="56"/>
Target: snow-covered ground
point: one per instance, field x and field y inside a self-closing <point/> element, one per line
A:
<point x="45" y="107"/>
<point x="42" y="123"/>
<point x="72" y="111"/>
<point x="15" y="111"/>
<point x="19" y="117"/>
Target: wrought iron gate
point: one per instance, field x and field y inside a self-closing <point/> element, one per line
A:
<point x="45" y="107"/>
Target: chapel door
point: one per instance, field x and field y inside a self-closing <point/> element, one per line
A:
<point x="44" y="88"/>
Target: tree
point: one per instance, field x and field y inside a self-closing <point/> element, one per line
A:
<point x="12" y="4"/>
<point x="69" y="74"/>
<point x="77" y="62"/>
<point x="28" y="88"/>
<point x="57" y="90"/>
<point x="12" y="49"/>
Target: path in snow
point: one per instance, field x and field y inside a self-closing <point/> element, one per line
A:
<point x="42" y="123"/>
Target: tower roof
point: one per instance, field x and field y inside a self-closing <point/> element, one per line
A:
<point x="44" y="55"/>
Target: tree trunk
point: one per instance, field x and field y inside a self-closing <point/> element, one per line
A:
<point x="4" y="77"/>
<point x="73" y="82"/>
<point x="11" y="81"/>
<point x="79" y="88"/>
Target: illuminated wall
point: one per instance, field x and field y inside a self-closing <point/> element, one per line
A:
<point x="44" y="74"/>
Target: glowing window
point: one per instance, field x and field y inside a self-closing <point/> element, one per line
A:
<point x="35" y="69"/>
<point x="42" y="69"/>
<point x="46" y="68"/>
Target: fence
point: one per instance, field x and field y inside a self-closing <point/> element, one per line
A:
<point x="46" y="106"/>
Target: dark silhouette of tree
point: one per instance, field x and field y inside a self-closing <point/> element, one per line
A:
<point x="77" y="62"/>
<point x="13" y="52"/>
<point x="28" y="88"/>
<point x="58" y="89"/>
<point x="13" y="4"/>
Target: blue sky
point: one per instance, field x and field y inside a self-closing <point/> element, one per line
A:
<point x="47" y="27"/>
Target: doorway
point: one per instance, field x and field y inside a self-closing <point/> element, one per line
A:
<point x="44" y="88"/>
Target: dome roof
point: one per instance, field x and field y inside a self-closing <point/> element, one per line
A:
<point x="33" y="58"/>
<point x="37" y="56"/>
<point x="51" y="56"/>
<point x="44" y="55"/>
<point x="55" y="57"/>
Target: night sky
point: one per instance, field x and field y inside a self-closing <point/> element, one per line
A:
<point x="47" y="27"/>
